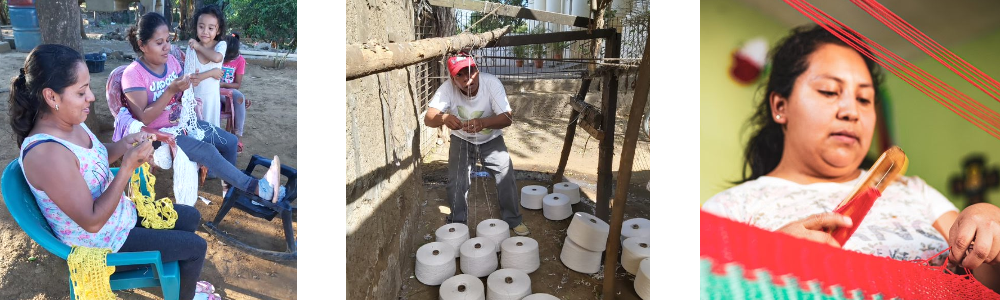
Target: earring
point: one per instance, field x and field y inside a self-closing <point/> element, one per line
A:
<point x="777" y="117"/>
<point x="57" y="106"/>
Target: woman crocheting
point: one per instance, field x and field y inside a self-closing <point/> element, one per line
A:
<point x="813" y="129"/>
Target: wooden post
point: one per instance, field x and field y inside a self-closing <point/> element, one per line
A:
<point x="364" y="60"/>
<point x="625" y="175"/>
<point x="609" y="106"/>
<point x="570" y="133"/>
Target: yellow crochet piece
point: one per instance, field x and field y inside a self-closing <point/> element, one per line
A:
<point x="156" y="214"/>
<point x="90" y="274"/>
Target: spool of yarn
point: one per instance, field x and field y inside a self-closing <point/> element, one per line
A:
<point x="636" y="227"/>
<point x="477" y="257"/>
<point x="578" y="259"/>
<point x="494" y="229"/>
<point x="519" y="252"/>
<point x="569" y="189"/>
<point x="588" y="231"/>
<point x="508" y="284"/>
<point x="462" y="287"/>
<point x="532" y="195"/>
<point x="556" y="207"/>
<point x="634" y="250"/>
<point x="435" y="263"/>
<point x="540" y="296"/>
<point x="641" y="283"/>
<point x="453" y="234"/>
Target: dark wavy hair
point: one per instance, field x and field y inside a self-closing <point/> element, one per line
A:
<point x="789" y="59"/>
<point x="214" y="11"/>
<point x="47" y="66"/>
<point x="142" y="31"/>
<point x="232" y="46"/>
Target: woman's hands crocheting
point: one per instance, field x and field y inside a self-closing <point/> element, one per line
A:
<point x="137" y="137"/>
<point x="975" y="236"/>
<point x="812" y="227"/>
<point x="181" y="84"/>
<point x="137" y="155"/>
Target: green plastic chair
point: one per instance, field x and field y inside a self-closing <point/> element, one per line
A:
<point x="22" y="206"/>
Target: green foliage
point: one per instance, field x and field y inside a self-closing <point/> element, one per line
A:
<point x="496" y="22"/>
<point x="521" y="51"/>
<point x="267" y="20"/>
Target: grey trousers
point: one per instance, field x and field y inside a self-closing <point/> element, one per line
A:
<point x="493" y="155"/>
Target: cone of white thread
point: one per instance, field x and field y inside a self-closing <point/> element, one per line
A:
<point x="540" y="296"/>
<point x="519" y="252"/>
<point x="462" y="287"/>
<point x="578" y="259"/>
<point x="588" y="231"/>
<point x="556" y="207"/>
<point x="569" y="189"/>
<point x="453" y="234"/>
<point x="435" y="263"/>
<point x="494" y="229"/>
<point x="641" y="283"/>
<point x="634" y="250"/>
<point x="532" y="195"/>
<point x="508" y="284"/>
<point x="636" y="227"/>
<point x="477" y="257"/>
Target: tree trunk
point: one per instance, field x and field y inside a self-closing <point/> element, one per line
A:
<point x="59" y="22"/>
<point x="168" y="12"/>
<point x="364" y="60"/>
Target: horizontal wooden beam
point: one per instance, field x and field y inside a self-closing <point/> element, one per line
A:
<point x="366" y="59"/>
<point x="514" y="11"/>
<point x="545" y="38"/>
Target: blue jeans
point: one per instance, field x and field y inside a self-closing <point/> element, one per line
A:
<point x="180" y="244"/>
<point x="493" y="155"/>
<point x="217" y="151"/>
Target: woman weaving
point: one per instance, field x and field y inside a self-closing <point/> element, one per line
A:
<point x="813" y="128"/>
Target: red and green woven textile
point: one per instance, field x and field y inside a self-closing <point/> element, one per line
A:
<point x="776" y="262"/>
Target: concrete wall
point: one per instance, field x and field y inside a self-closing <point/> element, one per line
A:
<point x="383" y="175"/>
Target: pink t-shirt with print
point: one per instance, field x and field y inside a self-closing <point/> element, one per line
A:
<point x="138" y="77"/>
<point x="233" y="67"/>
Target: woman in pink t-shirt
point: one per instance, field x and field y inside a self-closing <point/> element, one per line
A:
<point x="153" y="85"/>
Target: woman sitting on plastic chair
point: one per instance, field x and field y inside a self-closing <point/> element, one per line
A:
<point x="67" y="169"/>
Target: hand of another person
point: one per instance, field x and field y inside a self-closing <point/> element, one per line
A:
<point x="975" y="236"/>
<point x="452" y="122"/>
<point x="812" y="228"/>
<point x="193" y="43"/>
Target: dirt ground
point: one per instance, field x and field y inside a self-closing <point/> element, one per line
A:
<point x="535" y="145"/>
<point x="270" y="130"/>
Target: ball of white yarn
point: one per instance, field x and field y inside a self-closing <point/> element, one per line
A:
<point x="569" y="189"/>
<point x="634" y="228"/>
<point x="532" y="195"/>
<point x="556" y="207"/>
<point x="508" y="284"/>
<point x="519" y="252"/>
<point x="477" y="257"/>
<point x="540" y="296"/>
<point x="578" y="259"/>
<point x="453" y="234"/>
<point x="634" y="250"/>
<point x="588" y="231"/>
<point x="641" y="283"/>
<point x="494" y="229"/>
<point x="435" y="263"/>
<point x="462" y="287"/>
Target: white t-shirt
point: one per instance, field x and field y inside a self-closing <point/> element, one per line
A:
<point x="491" y="100"/>
<point x="208" y="89"/>
<point x="899" y="224"/>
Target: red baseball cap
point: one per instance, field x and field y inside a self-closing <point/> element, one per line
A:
<point x="462" y="60"/>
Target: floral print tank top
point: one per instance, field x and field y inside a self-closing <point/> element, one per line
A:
<point x="95" y="171"/>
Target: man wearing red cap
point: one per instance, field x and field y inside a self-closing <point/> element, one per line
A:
<point x="474" y="105"/>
